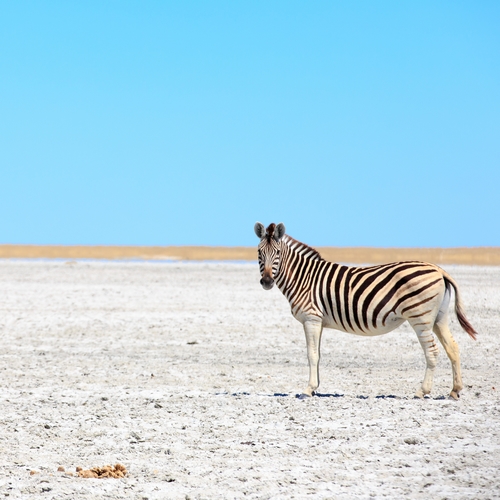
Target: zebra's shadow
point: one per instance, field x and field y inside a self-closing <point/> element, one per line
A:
<point x="323" y="395"/>
<point x="361" y="396"/>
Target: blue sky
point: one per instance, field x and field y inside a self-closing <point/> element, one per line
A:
<point x="182" y="123"/>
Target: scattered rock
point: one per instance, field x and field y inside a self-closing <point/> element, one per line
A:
<point x="116" y="472"/>
<point x="61" y="469"/>
<point x="412" y="441"/>
<point x="136" y="437"/>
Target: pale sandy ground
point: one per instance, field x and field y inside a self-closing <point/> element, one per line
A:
<point x="186" y="373"/>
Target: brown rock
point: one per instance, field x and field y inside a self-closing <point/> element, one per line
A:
<point x="118" y="471"/>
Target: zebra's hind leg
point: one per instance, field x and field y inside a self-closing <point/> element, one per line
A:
<point x="313" y="330"/>
<point x="443" y="333"/>
<point x="428" y="343"/>
<point x="451" y="347"/>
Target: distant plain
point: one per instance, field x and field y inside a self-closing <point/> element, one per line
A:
<point x="483" y="256"/>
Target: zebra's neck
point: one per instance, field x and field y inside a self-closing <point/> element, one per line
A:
<point x="295" y="256"/>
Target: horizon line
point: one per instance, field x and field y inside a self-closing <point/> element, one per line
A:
<point x="484" y="255"/>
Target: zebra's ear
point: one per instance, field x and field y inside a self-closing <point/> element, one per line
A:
<point x="259" y="229"/>
<point x="279" y="232"/>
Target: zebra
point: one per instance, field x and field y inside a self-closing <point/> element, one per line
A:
<point x="364" y="301"/>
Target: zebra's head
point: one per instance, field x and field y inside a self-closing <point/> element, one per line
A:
<point x="269" y="251"/>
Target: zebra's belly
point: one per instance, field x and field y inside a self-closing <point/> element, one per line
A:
<point x="390" y="325"/>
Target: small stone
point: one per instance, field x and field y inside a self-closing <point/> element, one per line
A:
<point x="411" y="441"/>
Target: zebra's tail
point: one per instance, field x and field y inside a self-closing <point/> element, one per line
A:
<point x="462" y="319"/>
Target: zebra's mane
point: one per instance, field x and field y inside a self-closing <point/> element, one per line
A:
<point x="301" y="248"/>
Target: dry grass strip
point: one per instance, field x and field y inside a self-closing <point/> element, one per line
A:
<point x="357" y="255"/>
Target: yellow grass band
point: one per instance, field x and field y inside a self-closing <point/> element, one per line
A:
<point x="483" y="256"/>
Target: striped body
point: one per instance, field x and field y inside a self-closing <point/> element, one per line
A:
<point x="361" y="300"/>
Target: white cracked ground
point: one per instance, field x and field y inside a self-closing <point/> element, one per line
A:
<point x="186" y="373"/>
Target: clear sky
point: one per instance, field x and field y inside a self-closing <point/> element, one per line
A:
<point x="182" y="123"/>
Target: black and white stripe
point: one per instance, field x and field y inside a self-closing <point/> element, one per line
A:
<point x="361" y="300"/>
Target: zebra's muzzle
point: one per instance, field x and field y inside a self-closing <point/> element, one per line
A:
<point x="267" y="282"/>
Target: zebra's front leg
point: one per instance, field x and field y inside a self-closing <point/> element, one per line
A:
<point x="313" y="329"/>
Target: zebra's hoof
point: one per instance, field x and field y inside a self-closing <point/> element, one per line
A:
<point x="303" y="396"/>
<point x="419" y="394"/>
<point x="454" y="395"/>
